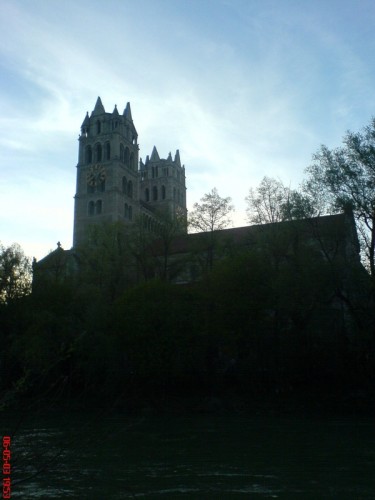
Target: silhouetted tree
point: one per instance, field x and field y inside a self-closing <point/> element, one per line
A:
<point x="15" y="273"/>
<point x="344" y="178"/>
<point x="210" y="215"/>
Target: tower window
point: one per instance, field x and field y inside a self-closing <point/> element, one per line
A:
<point x="98" y="127"/>
<point x="122" y="153"/>
<point x="127" y="154"/>
<point x="132" y="161"/>
<point x="126" y="211"/>
<point x="107" y="151"/>
<point x="88" y="154"/>
<point x="124" y="185"/>
<point x="163" y="192"/>
<point x="147" y="194"/>
<point x="130" y="189"/>
<point x="98" y="207"/>
<point x="130" y="212"/>
<point x="98" y="152"/>
<point x="91" y="209"/>
<point x="154" y="193"/>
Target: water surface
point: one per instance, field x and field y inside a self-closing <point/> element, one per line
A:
<point x="96" y="456"/>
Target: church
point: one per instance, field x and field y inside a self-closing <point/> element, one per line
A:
<point x="113" y="184"/>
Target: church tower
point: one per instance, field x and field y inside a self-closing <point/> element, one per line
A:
<point x="110" y="187"/>
<point x="107" y="170"/>
<point x="163" y="184"/>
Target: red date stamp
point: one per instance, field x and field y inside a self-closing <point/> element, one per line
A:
<point x="6" y="467"/>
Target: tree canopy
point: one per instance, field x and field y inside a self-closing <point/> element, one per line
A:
<point x="212" y="213"/>
<point x="15" y="273"/>
<point x="344" y="178"/>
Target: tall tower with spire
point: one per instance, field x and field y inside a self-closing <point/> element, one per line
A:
<point x="111" y="184"/>
<point x="163" y="184"/>
<point x="107" y="170"/>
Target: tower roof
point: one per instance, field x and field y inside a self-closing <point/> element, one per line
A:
<point x="154" y="155"/>
<point x="99" y="108"/>
<point x="127" y="112"/>
<point x="177" y="158"/>
<point x="86" y="121"/>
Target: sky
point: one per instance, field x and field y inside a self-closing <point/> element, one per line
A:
<point x="243" y="88"/>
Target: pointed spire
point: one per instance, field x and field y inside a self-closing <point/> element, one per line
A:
<point x="169" y="156"/>
<point x="177" y="158"/>
<point x="86" y="121"/>
<point x="115" y="111"/>
<point x="127" y="112"/>
<point x="154" y="155"/>
<point x="99" y="108"/>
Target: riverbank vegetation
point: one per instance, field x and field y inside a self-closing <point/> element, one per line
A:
<point x="249" y="329"/>
<point x="283" y="322"/>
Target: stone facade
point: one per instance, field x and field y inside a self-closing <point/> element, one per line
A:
<point x="112" y="184"/>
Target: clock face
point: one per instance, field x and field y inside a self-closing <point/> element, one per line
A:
<point x="95" y="175"/>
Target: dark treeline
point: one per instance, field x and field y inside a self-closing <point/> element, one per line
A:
<point x="277" y="318"/>
<point x="258" y="325"/>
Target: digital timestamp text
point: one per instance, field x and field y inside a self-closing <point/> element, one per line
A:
<point x="6" y="467"/>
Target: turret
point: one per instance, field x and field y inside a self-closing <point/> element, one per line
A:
<point x="99" y="108"/>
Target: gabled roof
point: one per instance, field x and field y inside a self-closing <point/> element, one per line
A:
<point x="338" y="229"/>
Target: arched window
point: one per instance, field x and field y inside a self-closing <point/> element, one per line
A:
<point x="154" y="193"/>
<point x="107" y="151"/>
<point x="163" y="192"/>
<point x="98" y="152"/>
<point x="127" y="154"/>
<point x="98" y="127"/>
<point x="122" y="152"/>
<point x="91" y="209"/>
<point x="126" y="211"/>
<point x="88" y="154"/>
<point x="130" y="189"/>
<point x="147" y="194"/>
<point x="124" y="185"/>
<point x="98" y="207"/>
<point x="132" y="161"/>
<point x="178" y="175"/>
<point x="130" y="212"/>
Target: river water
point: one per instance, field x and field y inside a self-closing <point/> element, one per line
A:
<point x="98" y="456"/>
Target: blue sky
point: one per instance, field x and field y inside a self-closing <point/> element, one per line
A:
<point x="243" y="88"/>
